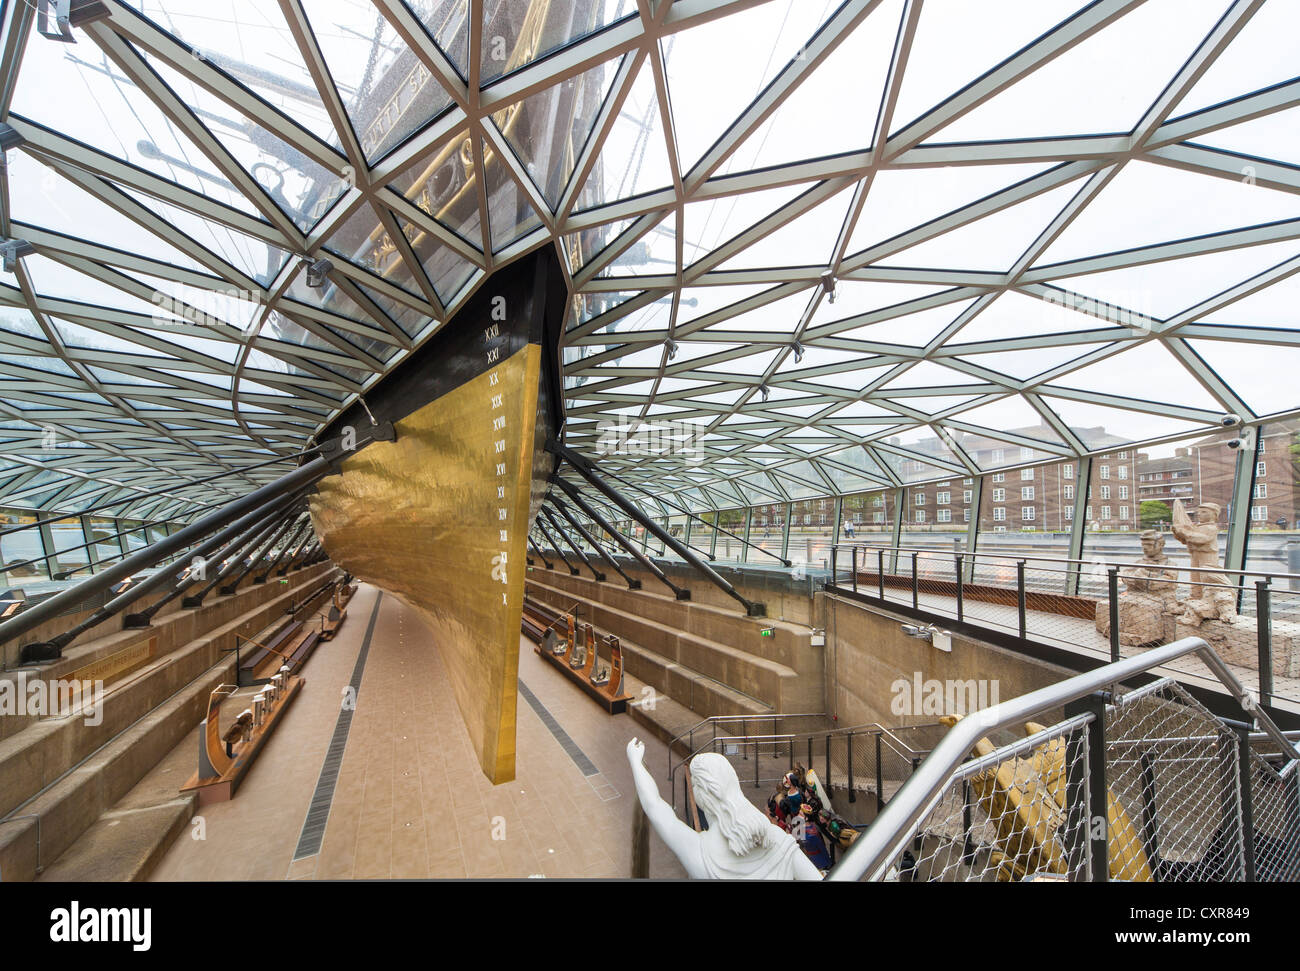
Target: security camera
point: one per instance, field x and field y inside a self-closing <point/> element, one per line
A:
<point x="1229" y="420"/>
<point x="1235" y="443"/>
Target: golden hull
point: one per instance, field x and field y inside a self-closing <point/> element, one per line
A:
<point x="440" y="518"/>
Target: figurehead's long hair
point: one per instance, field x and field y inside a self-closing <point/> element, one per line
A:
<point x="717" y="792"/>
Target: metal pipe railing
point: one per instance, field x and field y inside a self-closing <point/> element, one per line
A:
<point x="168" y="545"/>
<point x="871" y="854"/>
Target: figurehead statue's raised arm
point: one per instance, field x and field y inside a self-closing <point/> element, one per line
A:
<point x="740" y="843"/>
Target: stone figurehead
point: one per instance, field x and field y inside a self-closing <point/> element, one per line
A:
<point x="1201" y="537"/>
<point x="740" y="844"/>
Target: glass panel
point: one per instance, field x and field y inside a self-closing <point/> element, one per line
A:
<point x="19" y="548"/>
<point x="812" y="529"/>
<point x="730" y="547"/>
<point x="766" y="530"/>
<point x="868" y="518"/>
<point x="104" y="534"/>
<point x="936" y="517"/>
<point x="1024" y="513"/>
<point x="1273" y="543"/>
<point x="68" y="536"/>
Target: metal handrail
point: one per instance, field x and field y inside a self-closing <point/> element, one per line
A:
<point x="1014" y="555"/>
<point x="871" y="853"/>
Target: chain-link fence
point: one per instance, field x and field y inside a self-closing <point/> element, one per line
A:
<point x="1189" y="797"/>
<point x="1012" y="813"/>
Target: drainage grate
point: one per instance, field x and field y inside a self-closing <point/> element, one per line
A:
<point x="318" y="813"/>
<point x="579" y="757"/>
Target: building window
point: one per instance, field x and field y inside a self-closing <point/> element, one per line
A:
<point x="967" y="481"/>
<point x="920" y="515"/>
<point x="965" y="515"/>
<point x="999" y="514"/>
<point x="1123" y="471"/>
<point x="1067" y="471"/>
<point x="1026" y="453"/>
<point x="1259" y="470"/>
<point x="943" y="498"/>
<point x="1027" y="492"/>
<point x="1069" y="492"/>
<point x="878" y="517"/>
<point x="945" y="516"/>
<point x="878" y="501"/>
<point x="1027" y="513"/>
<point x="920" y="501"/>
<point x="1105" y="512"/>
<point x="1069" y="513"/>
<point x="944" y="482"/>
<point x="1261" y="490"/>
<point x="999" y="477"/>
<point x="1123" y="492"/>
<point x="1123" y="512"/>
<point x="1105" y="472"/>
<point x="999" y="456"/>
<point x="1087" y="513"/>
<point x="965" y="496"/>
<point x="999" y="495"/>
<point x="1123" y="455"/>
<point x="1105" y="492"/>
<point x="1259" y="513"/>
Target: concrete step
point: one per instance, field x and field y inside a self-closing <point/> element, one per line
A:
<point x="52" y="821"/>
<point x="45" y="749"/>
<point x="124" y="844"/>
<point x="769" y="681"/>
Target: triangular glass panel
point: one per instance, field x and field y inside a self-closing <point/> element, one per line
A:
<point x="1260" y="56"/>
<point x="510" y="213"/>
<point x="1266" y="387"/>
<point x="957" y="42"/>
<point x="444" y="188"/>
<point x="548" y="130"/>
<point x="1103" y="84"/>
<point x="913" y="330"/>
<point x="516" y="34"/>
<point x="1100" y="426"/>
<point x="634" y="157"/>
<point x="654" y="253"/>
<point x="854" y="297"/>
<point x="713" y="222"/>
<point x="385" y="88"/>
<point x="303" y="189"/>
<point x="1011" y="414"/>
<point x="1145" y="371"/>
<point x="808" y="239"/>
<point x="928" y="374"/>
<point x="1163" y="289"/>
<point x="1145" y="204"/>
<point x="448" y="24"/>
<point x="1024" y="364"/>
<point x="1274" y="136"/>
<point x="811" y="122"/>
<point x="993" y="242"/>
<point x="710" y="58"/>
<point x="1277" y="305"/>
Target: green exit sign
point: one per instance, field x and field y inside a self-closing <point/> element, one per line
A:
<point x="766" y="632"/>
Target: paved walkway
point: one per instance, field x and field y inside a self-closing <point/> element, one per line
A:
<point x="410" y="801"/>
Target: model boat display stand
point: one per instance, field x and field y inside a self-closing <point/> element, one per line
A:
<point x="576" y="652"/>
<point x="224" y="759"/>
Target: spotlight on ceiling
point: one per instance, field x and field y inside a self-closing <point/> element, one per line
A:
<point x="798" y="351"/>
<point x="318" y="272"/>
<point x="829" y="284"/>
<point x="672" y="349"/>
<point x="13" y="250"/>
<point x="763" y="390"/>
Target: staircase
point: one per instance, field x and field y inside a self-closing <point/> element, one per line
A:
<point x="62" y="773"/>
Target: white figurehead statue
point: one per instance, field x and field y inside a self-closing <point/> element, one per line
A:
<point x="740" y="844"/>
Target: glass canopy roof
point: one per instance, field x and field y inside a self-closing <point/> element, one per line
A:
<point x="822" y="243"/>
